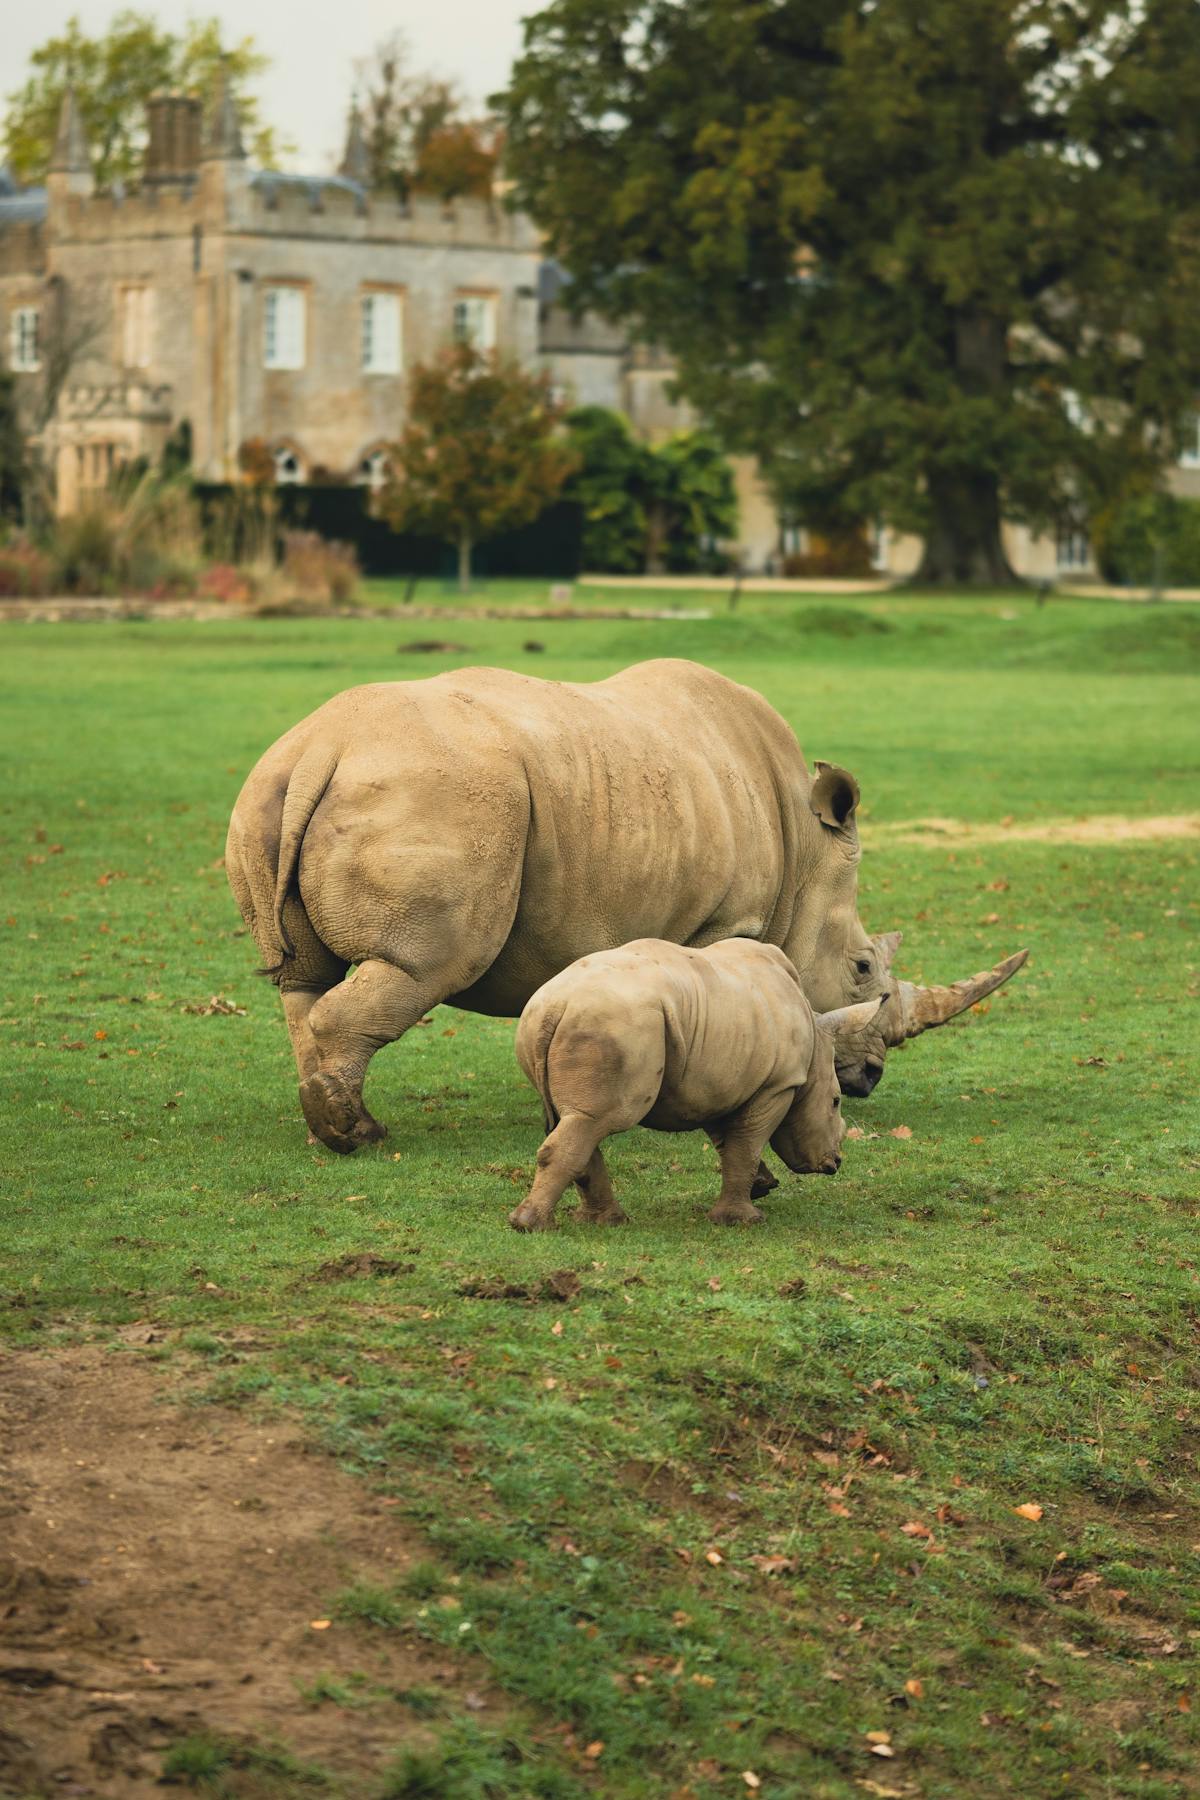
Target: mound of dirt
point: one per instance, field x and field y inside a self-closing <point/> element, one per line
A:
<point x="168" y="1571"/>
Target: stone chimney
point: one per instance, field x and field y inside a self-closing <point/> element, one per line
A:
<point x="173" y="145"/>
<point x="223" y="140"/>
<point x="70" y="161"/>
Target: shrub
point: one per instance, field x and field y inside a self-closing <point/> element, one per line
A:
<point x="1152" y="538"/>
<point x="225" y="582"/>
<point x="26" y="573"/>
<point x="317" y="568"/>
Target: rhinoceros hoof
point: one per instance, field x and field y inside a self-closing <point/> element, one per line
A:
<point x="615" y="1215"/>
<point x="743" y="1214"/>
<point x="529" y="1218"/>
<point x="763" y="1184"/>
<point x="336" y="1116"/>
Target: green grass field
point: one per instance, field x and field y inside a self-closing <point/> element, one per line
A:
<point x="746" y="1500"/>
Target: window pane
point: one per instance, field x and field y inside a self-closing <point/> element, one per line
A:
<point x="475" y="321"/>
<point x="23" y="339"/>
<point x="283" y="328"/>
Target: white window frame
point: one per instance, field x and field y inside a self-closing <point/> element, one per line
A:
<point x="25" y="340"/>
<point x="1189" y="457"/>
<point x="1072" y="547"/>
<point x="381" y="331"/>
<point x="285" y="326"/>
<point x="474" y="321"/>
<point x="137" y="319"/>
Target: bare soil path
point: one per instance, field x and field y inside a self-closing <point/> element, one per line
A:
<point x="1098" y="828"/>
<point x="161" y="1567"/>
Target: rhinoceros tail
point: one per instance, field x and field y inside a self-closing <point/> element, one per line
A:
<point x="547" y="1026"/>
<point x="305" y="791"/>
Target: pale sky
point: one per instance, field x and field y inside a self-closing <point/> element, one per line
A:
<point x="312" y="48"/>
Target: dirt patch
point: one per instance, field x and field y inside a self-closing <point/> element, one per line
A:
<point x="363" y="1263"/>
<point x="160" y="1570"/>
<point x="560" y="1284"/>
<point x="1101" y="828"/>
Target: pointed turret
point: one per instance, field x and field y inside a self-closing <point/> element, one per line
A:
<point x="71" y="162"/>
<point x="223" y="140"/>
<point x="356" y="162"/>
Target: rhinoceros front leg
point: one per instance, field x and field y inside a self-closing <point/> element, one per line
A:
<point x="764" y="1182"/>
<point x="739" y="1161"/>
<point x="375" y="1006"/>
<point x="739" y="1145"/>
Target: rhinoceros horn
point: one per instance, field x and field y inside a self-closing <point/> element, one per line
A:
<point x="921" y="1008"/>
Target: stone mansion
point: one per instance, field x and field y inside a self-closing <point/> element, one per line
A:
<point x="258" y="305"/>
<point x="286" y="308"/>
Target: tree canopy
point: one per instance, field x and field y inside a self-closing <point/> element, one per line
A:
<point x="113" y="76"/>
<point x="479" y="453"/>
<point x="936" y="261"/>
<point x="417" y="134"/>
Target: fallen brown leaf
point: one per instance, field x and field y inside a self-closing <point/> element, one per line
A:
<point x="1029" y="1509"/>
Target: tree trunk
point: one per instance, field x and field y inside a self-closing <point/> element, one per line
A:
<point x="963" y="547"/>
<point x="464" y="564"/>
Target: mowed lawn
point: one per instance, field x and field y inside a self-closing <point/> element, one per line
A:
<point x="742" y="1511"/>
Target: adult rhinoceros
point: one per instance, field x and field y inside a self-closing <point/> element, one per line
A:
<point x="466" y="837"/>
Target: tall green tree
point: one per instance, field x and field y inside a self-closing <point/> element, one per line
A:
<point x="114" y="75"/>
<point x="480" y="452"/>
<point x="935" y="260"/>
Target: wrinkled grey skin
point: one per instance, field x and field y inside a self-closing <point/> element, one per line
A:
<point x="464" y="838"/>
<point x="720" y="1040"/>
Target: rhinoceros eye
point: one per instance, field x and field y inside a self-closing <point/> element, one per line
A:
<point x="864" y="968"/>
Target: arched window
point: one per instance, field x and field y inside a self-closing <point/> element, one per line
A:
<point x="374" y="469"/>
<point x="288" y="467"/>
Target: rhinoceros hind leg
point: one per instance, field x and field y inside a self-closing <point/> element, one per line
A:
<point x="600" y="1205"/>
<point x="566" y="1155"/>
<point x="376" y="1005"/>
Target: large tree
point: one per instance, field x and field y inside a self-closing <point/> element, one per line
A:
<point x="113" y="76"/>
<point x="480" y="451"/>
<point x="934" y="260"/>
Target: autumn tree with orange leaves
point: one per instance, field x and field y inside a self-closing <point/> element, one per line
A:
<point x="480" y="452"/>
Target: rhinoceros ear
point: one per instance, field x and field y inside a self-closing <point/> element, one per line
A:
<point x="834" y="796"/>
<point x="848" y="1021"/>
<point x="887" y="944"/>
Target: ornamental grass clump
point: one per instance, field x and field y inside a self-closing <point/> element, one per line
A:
<point x="142" y="538"/>
<point x="317" y="568"/>
<point x="26" y="572"/>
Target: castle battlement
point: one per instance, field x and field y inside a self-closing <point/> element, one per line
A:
<point x="287" y="206"/>
<point x="152" y="211"/>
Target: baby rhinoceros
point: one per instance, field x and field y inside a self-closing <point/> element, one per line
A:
<point x="720" y="1040"/>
